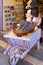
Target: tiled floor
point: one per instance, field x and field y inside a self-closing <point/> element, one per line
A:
<point x="29" y="58"/>
<point x="33" y="60"/>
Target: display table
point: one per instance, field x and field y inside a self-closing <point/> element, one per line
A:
<point x="25" y="43"/>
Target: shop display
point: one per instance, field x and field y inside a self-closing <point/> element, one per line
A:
<point x="19" y="12"/>
<point x="9" y="16"/>
<point x="12" y="13"/>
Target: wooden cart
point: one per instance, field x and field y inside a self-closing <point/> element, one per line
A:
<point x="20" y="46"/>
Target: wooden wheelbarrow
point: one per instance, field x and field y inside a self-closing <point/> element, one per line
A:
<point x="20" y="46"/>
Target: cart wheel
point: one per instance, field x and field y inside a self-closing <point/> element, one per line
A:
<point x="12" y="53"/>
<point x="13" y="60"/>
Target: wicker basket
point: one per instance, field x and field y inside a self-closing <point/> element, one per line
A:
<point x="24" y="28"/>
